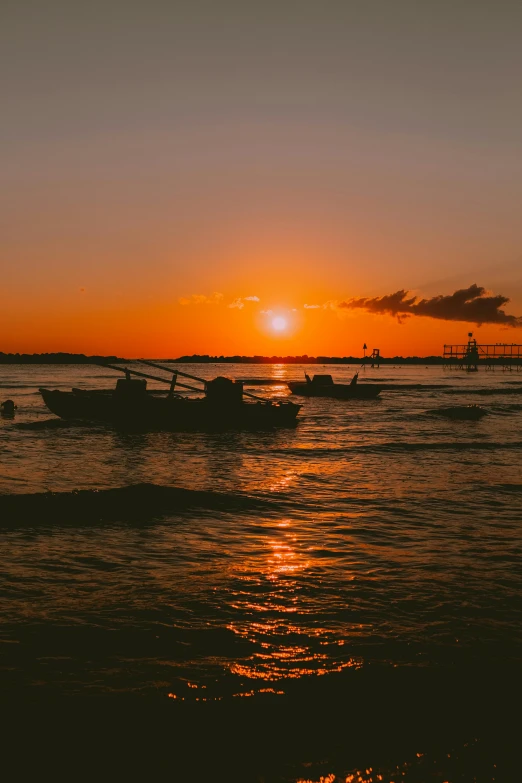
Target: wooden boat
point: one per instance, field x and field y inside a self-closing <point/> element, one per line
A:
<point x="324" y="386"/>
<point x="131" y="406"/>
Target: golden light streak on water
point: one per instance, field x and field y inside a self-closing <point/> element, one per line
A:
<point x="279" y="371"/>
<point x="419" y="766"/>
<point x="283" y="482"/>
<point x="273" y="589"/>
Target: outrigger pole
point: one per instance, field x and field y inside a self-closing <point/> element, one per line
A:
<point x="174" y="373"/>
<point x="146" y="375"/>
<point x="195" y="378"/>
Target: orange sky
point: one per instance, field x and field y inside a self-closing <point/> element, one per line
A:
<point x="152" y="153"/>
<point x="169" y="329"/>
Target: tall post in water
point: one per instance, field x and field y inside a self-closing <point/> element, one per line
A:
<point x="472" y="355"/>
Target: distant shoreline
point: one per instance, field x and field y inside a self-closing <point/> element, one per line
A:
<point x="57" y="358"/>
<point x="80" y="358"/>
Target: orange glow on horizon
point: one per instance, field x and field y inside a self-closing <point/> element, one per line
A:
<point x="172" y="331"/>
<point x="183" y="211"/>
<point x="248" y="321"/>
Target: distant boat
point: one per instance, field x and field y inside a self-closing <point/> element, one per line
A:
<point x="324" y="386"/>
<point x="131" y="406"/>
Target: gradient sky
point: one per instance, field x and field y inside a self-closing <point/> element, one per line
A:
<point x="298" y="152"/>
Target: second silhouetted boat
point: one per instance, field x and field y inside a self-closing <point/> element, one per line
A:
<point x="324" y="386"/>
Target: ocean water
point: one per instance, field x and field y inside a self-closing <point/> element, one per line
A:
<point x="374" y="550"/>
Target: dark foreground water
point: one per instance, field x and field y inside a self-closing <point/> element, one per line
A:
<point x="342" y="599"/>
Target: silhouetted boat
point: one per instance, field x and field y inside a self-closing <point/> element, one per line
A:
<point x="131" y="406"/>
<point x="324" y="386"/>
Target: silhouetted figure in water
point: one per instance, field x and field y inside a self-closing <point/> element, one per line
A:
<point x="353" y="382"/>
<point x="308" y="379"/>
<point x="8" y="408"/>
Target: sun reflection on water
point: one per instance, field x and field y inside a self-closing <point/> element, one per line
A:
<point x="283" y="481"/>
<point x="461" y="762"/>
<point x="272" y="598"/>
<point x="278" y="372"/>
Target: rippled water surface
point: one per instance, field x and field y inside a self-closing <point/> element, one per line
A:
<point x="374" y="533"/>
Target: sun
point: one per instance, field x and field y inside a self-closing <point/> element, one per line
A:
<point x="279" y="323"/>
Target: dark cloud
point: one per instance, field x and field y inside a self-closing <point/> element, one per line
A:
<point x="472" y="304"/>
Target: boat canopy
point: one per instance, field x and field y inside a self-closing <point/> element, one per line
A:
<point x="323" y="380"/>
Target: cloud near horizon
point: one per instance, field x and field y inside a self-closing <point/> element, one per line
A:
<point x="473" y="305"/>
<point x="215" y="298"/>
<point x="331" y="304"/>
<point x="240" y="301"/>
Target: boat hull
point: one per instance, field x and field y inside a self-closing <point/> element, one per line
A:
<point x="337" y="390"/>
<point x="151" y="412"/>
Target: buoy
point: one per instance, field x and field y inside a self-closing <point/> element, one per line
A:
<point x="8" y="408"/>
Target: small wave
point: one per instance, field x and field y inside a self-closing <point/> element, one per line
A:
<point x="412" y="386"/>
<point x="443" y="446"/>
<point x="50" y="424"/>
<point x="506" y="487"/>
<point x="499" y="409"/>
<point x="16" y="385"/>
<point x="484" y="391"/>
<point x="398" y="446"/>
<point x="460" y="412"/>
<point x="134" y="502"/>
<point x="262" y="381"/>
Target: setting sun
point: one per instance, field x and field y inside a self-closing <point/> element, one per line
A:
<point x="279" y="323"/>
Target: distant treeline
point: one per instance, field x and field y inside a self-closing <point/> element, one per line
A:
<point x="56" y="358"/>
<point x="204" y="359"/>
<point x="80" y="358"/>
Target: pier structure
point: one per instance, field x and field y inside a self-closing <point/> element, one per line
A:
<point x="469" y="356"/>
<point x="376" y="357"/>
